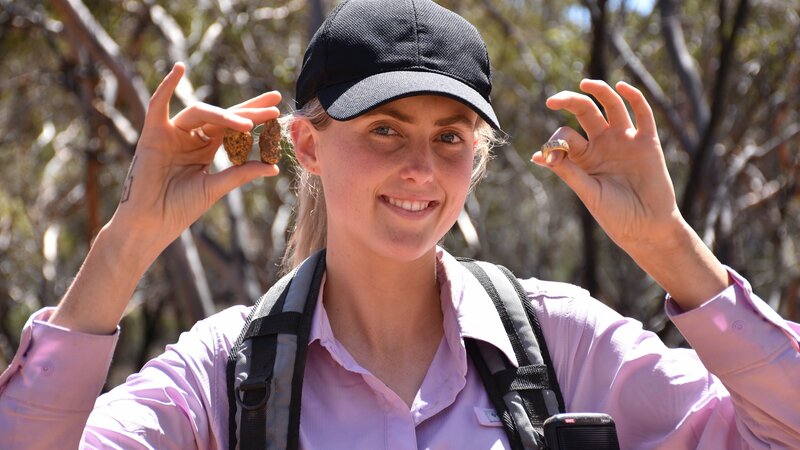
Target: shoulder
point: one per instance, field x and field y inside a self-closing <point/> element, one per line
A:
<point x="205" y="346"/>
<point x="569" y="307"/>
<point x="219" y="331"/>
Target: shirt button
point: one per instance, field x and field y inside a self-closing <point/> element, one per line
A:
<point x="47" y="369"/>
<point x="738" y="326"/>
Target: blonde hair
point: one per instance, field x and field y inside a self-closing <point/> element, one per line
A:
<point x="311" y="226"/>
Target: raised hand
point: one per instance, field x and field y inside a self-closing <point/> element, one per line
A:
<point x="619" y="173"/>
<point x="169" y="184"/>
<point x="168" y="187"/>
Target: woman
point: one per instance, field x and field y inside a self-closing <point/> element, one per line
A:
<point x="393" y="126"/>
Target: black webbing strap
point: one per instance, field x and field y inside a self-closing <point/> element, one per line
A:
<point x="495" y="396"/>
<point x="303" y="333"/>
<point x="533" y="385"/>
<point x="537" y="330"/>
<point x="267" y="320"/>
<point x="522" y="378"/>
<point x="255" y="390"/>
<point x="280" y="289"/>
<point x="285" y="323"/>
<point x="511" y="332"/>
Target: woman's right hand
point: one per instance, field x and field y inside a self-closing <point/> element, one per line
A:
<point x="167" y="188"/>
<point x="169" y="185"/>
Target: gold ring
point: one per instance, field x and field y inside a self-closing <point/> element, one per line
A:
<point x="201" y="134"/>
<point x="555" y="144"/>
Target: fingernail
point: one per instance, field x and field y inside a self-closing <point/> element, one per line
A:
<point x="550" y="158"/>
<point x="201" y="134"/>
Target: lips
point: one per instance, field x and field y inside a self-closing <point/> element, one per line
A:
<point x="409" y="205"/>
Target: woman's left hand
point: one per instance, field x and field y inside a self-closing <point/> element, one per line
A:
<point x="619" y="173"/>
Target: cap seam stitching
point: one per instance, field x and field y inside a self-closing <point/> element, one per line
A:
<point x="328" y="24"/>
<point x="416" y="31"/>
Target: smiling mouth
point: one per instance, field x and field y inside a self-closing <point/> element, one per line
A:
<point x="409" y="205"/>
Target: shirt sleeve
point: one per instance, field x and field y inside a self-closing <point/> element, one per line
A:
<point x="734" y="389"/>
<point x="755" y="354"/>
<point x="177" y="401"/>
<point x="49" y="389"/>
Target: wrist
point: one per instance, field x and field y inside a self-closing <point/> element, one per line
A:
<point x="673" y="238"/>
<point x="97" y="298"/>
<point x="136" y="246"/>
<point x="683" y="265"/>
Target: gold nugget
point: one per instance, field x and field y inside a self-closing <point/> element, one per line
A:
<point x="237" y="144"/>
<point x="270" y="142"/>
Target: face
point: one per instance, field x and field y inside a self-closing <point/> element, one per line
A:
<point x="395" y="179"/>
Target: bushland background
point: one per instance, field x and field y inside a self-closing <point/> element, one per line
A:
<point x="722" y="75"/>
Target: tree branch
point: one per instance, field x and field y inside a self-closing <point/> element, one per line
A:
<point x="708" y="137"/>
<point x="86" y="33"/>
<point x="655" y="95"/>
<point x="511" y="32"/>
<point x="684" y="64"/>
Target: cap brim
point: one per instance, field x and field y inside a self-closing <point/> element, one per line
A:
<point x="349" y="100"/>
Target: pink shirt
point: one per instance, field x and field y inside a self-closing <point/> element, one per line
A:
<point x="659" y="397"/>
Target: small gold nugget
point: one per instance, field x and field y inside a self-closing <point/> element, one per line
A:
<point x="270" y="142"/>
<point x="237" y="144"/>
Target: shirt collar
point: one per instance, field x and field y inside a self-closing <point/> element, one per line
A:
<point x="474" y="313"/>
<point x="468" y="313"/>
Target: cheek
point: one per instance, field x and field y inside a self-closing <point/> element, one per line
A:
<point x="346" y="180"/>
<point x="460" y="173"/>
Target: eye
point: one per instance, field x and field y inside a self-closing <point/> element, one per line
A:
<point x="384" y="130"/>
<point x="450" y="138"/>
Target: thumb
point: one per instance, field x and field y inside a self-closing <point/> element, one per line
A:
<point x="220" y="183"/>
<point x="584" y="185"/>
<point x="561" y="159"/>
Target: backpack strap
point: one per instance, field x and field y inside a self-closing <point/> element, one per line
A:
<point x="267" y="362"/>
<point x="525" y="395"/>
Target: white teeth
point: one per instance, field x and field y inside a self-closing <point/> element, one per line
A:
<point x="408" y="205"/>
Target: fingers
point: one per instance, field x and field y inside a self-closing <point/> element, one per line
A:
<point x="645" y="122"/>
<point x="214" y="119"/>
<point x="220" y="183"/>
<point x="565" y="166"/>
<point x="158" y="109"/>
<point x="616" y="115"/>
<point x="254" y="115"/>
<point x="241" y="117"/>
<point x="583" y="108"/>
<point x="577" y="147"/>
<point x="613" y="105"/>
<point x="271" y="98"/>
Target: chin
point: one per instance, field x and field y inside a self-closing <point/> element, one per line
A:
<point x="407" y="248"/>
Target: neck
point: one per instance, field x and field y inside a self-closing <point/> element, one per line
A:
<point x="382" y="305"/>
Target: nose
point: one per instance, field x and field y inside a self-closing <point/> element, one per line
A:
<point x="418" y="161"/>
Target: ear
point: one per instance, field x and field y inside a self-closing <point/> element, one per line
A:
<point x="304" y="137"/>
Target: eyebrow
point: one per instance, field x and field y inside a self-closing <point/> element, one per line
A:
<point x="407" y="118"/>
<point x="454" y="120"/>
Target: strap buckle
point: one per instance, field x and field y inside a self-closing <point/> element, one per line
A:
<point x="251" y="385"/>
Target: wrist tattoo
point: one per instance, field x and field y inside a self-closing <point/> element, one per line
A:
<point x="126" y="187"/>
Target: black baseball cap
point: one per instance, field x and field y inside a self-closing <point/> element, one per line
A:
<point x="370" y="52"/>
